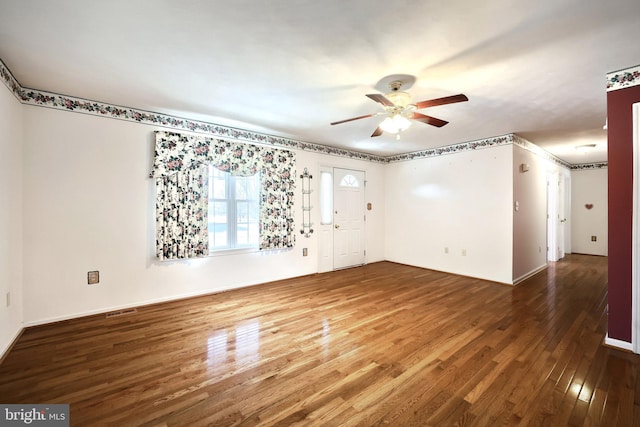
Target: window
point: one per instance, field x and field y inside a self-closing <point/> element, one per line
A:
<point x="349" y="181"/>
<point x="326" y="198"/>
<point x="233" y="215"/>
<point x="188" y="215"/>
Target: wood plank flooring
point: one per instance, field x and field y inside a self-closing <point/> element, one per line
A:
<point x="384" y="344"/>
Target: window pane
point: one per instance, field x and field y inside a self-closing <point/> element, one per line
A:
<point x="234" y="210"/>
<point x="218" y="212"/>
<point x="247" y="187"/>
<point x="241" y="188"/>
<point x="246" y="223"/>
<point x="326" y="198"/>
<point x="217" y="183"/>
<point x="219" y="188"/>
<point x="218" y="224"/>
<point x="349" y="181"/>
<point x="242" y="213"/>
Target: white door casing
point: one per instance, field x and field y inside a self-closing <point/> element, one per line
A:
<point x="553" y="218"/>
<point x="325" y="229"/>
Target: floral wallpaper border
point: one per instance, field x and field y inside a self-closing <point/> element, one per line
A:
<point x="589" y="166"/>
<point x="10" y="81"/>
<point x="455" y="148"/>
<point x="527" y="145"/>
<point x="495" y="141"/>
<point x="79" y="105"/>
<point x="623" y="78"/>
<point x="68" y="103"/>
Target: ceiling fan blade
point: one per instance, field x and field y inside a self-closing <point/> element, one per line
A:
<point x="352" y="119"/>
<point x="441" y="101"/>
<point x="429" y="120"/>
<point x="381" y="99"/>
<point x="376" y="132"/>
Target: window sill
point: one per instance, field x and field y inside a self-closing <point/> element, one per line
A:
<point x="223" y="252"/>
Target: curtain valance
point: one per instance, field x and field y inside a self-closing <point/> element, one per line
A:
<point x="176" y="152"/>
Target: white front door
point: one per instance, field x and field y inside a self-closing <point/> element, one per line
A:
<point x="348" y="218"/>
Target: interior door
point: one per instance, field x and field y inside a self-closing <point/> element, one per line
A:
<point x="562" y="216"/>
<point x="348" y="218"/>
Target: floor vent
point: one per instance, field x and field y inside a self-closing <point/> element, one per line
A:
<point x="121" y="312"/>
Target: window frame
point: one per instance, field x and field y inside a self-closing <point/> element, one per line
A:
<point x="231" y="202"/>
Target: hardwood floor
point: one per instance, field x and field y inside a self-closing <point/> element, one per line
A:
<point x="385" y="344"/>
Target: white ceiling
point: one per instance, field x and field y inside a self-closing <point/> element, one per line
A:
<point x="536" y="68"/>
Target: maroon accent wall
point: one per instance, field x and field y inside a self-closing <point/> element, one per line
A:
<point x="620" y="170"/>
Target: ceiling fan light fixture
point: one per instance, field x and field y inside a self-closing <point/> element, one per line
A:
<point x="400" y="112"/>
<point x="395" y="124"/>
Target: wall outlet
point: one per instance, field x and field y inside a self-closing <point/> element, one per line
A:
<point x="594" y="238"/>
<point x="305" y="252"/>
<point x="93" y="277"/>
<point x="464" y="252"/>
<point x="8" y="299"/>
<point x="446" y="250"/>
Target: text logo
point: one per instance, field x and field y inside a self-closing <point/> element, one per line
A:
<point x="34" y="415"/>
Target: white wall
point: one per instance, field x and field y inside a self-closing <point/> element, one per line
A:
<point x="89" y="205"/>
<point x="589" y="187"/>
<point x="460" y="201"/>
<point x="530" y="217"/>
<point x="11" y="317"/>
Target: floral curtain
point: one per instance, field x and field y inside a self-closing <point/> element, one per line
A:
<point x="177" y="153"/>
<point x="181" y="214"/>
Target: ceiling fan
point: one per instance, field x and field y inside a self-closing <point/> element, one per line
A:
<point x="399" y="110"/>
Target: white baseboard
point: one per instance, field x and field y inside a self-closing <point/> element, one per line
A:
<point x="10" y="343"/>
<point x="623" y="345"/>
<point x="152" y="301"/>
<point x="105" y="310"/>
<point x="530" y="274"/>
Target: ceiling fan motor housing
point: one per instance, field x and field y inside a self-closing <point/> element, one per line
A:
<point x="399" y="99"/>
